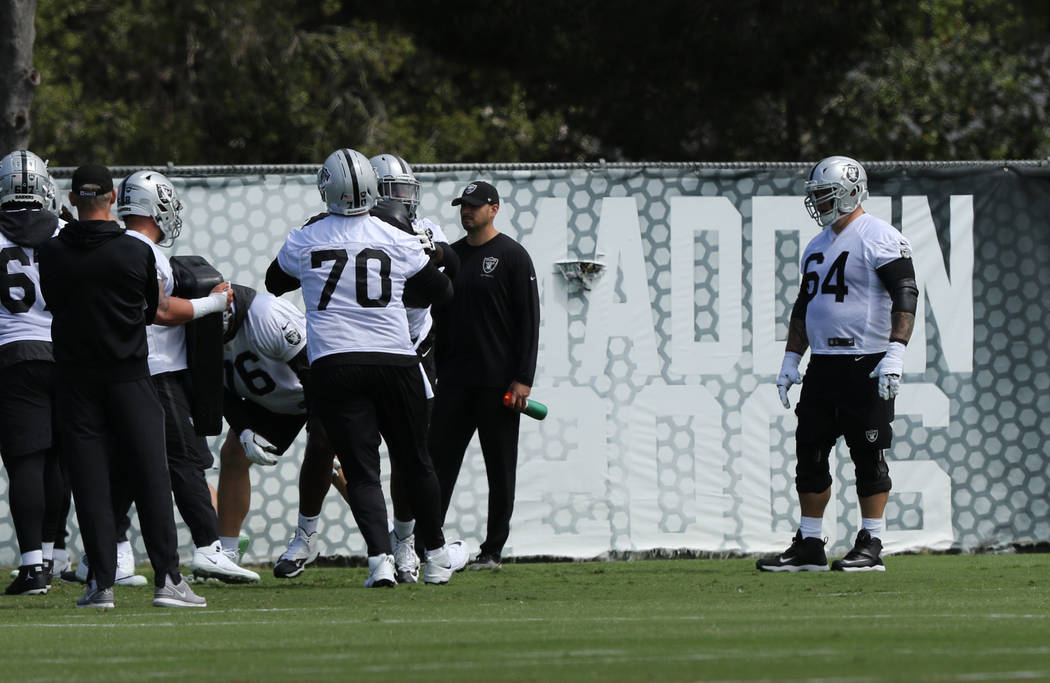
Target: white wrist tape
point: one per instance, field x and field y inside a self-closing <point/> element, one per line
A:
<point x="213" y="303"/>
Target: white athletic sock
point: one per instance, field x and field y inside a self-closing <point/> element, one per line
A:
<point x="49" y="550"/>
<point x="811" y="527"/>
<point x="308" y="524"/>
<point x="404" y="529"/>
<point x="229" y="542"/>
<point x="32" y="557"/>
<point x="60" y="556"/>
<point x="124" y="547"/>
<point x="872" y="526"/>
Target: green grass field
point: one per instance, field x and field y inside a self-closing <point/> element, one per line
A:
<point x="935" y="618"/>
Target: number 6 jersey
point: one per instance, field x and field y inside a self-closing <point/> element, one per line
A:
<point x="256" y="359"/>
<point x="848" y="309"/>
<point x="353" y="270"/>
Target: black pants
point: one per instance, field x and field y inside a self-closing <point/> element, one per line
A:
<point x="188" y="457"/>
<point x="459" y="411"/>
<point x="112" y="438"/>
<point x="359" y="403"/>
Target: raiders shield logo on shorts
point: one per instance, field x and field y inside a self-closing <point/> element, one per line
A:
<point x="871" y="435"/>
<point x="489" y="263"/>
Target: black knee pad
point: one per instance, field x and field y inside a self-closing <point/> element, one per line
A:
<point x="873" y="474"/>
<point x="812" y="471"/>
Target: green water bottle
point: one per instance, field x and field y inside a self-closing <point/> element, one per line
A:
<point x="533" y="409"/>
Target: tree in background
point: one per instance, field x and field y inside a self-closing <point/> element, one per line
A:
<point x="257" y="81"/>
<point x="18" y="78"/>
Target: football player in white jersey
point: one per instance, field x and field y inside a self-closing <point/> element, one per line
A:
<point x="265" y="360"/>
<point x="150" y="209"/>
<point x="855" y="311"/>
<point x="397" y="183"/>
<point x="27" y="193"/>
<point x="365" y="382"/>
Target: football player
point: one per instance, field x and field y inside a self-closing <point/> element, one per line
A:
<point x="151" y="211"/>
<point x="398" y="184"/>
<point x="27" y="193"/>
<point x="265" y="361"/>
<point x="855" y="310"/>
<point x="356" y="274"/>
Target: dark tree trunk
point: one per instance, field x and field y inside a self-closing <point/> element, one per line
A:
<point x="18" y="78"/>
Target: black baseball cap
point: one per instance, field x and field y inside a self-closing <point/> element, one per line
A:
<point x="92" y="174"/>
<point x="477" y="193"/>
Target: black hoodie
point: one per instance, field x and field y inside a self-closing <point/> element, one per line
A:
<point x="101" y="288"/>
<point x="28" y="227"/>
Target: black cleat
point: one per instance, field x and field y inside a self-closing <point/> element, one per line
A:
<point x="804" y="555"/>
<point x="864" y="557"/>
<point x="30" y="581"/>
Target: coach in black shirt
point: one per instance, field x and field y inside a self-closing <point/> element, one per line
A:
<point x="487" y="343"/>
<point x="101" y="288"/>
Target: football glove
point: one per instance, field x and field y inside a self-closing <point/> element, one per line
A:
<point x="889" y="371"/>
<point x="788" y="375"/>
<point x="426" y="238"/>
<point x="257" y="449"/>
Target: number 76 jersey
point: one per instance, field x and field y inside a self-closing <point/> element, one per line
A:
<point x="353" y="270"/>
<point x="847" y="306"/>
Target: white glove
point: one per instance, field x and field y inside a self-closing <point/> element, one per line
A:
<point x="426" y="238"/>
<point x="213" y="303"/>
<point x="257" y="449"/>
<point x="889" y="371"/>
<point x="788" y="376"/>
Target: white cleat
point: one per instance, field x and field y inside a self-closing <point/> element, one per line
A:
<point x="209" y="562"/>
<point x="126" y="575"/>
<point x="381" y="572"/>
<point x="445" y="561"/>
<point x="300" y="553"/>
<point x="406" y="562"/>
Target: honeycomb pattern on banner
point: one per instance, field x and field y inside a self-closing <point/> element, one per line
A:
<point x="993" y="448"/>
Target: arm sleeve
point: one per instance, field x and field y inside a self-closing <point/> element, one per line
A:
<point x="449" y="259"/>
<point x="525" y="299"/>
<point x="278" y="282"/>
<point x="428" y="287"/>
<point x="898" y="277"/>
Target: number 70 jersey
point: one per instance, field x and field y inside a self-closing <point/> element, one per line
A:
<point x="353" y="270"/>
<point x="848" y="307"/>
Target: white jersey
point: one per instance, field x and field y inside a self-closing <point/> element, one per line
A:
<point x="256" y="359"/>
<point x="849" y="308"/>
<point x="22" y="314"/>
<point x="353" y="270"/>
<point x="419" y="319"/>
<point x="167" y="345"/>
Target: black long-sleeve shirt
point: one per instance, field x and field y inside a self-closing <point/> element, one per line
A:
<point x="488" y="336"/>
<point x="101" y="288"/>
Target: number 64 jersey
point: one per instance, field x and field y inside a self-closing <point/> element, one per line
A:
<point x="848" y="307"/>
<point x="353" y="271"/>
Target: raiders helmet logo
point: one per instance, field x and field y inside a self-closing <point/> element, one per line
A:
<point x="323" y="177"/>
<point x="165" y="193"/>
<point x="469" y="189"/>
<point x="489" y="263"/>
<point x="852" y="173"/>
<point x="871" y="435"/>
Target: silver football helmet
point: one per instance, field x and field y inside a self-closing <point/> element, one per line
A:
<point x="151" y="194"/>
<point x="396" y="181"/>
<point x="24" y="179"/>
<point x="835" y="188"/>
<point x="348" y="183"/>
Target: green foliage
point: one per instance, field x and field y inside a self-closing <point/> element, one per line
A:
<point x="927" y="618"/>
<point x="194" y="82"/>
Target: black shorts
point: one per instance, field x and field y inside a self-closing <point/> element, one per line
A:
<point x="839" y="399"/>
<point x="26" y="399"/>
<point x="278" y="428"/>
<point x="182" y="441"/>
